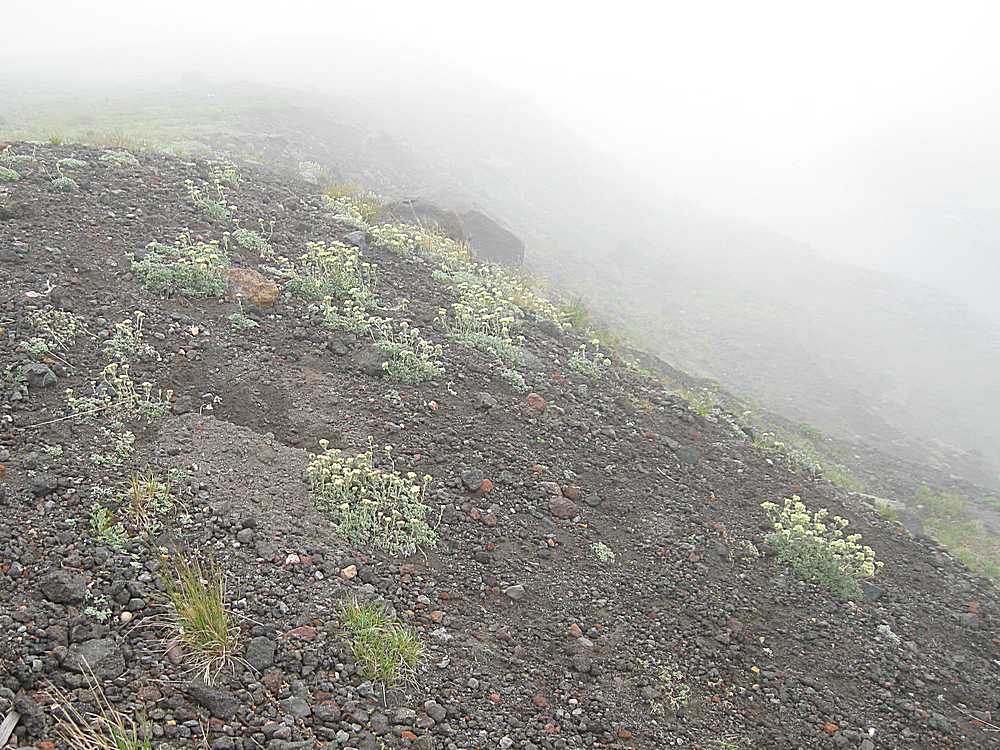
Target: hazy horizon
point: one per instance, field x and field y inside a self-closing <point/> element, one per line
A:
<point x="869" y="133"/>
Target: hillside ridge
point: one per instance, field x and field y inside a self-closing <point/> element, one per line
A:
<point x="594" y="569"/>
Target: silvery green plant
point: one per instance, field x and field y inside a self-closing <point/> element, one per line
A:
<point x="818" y="549"/>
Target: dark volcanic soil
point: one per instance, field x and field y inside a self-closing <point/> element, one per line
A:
<point x="686" y="639"/>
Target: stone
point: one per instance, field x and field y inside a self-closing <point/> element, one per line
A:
<point x="39" y="375"/>
<point x="436" y="711"/>
<point x="491" y="241"/>
<point x="536" y="402"/>
<point x="515" y="592"/>
<point x="571" y="492"/>
<point x="220" y="703"/>
<point x="64" y="587"/>
<point x="260" y="653"/>
<point x="296" y="706"/>
<point x="251" y="286"/>
<point x="357" y="239"/>
<point x="472" y="479"/>
<point x="563" y="507"/>
<point x="486" y="401"/>
<point x="42" y="484"/>
<point x="102" y="656"/>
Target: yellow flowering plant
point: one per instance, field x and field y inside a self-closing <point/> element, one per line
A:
<point x="818" y="548"/>
<point x="371" y="502"/>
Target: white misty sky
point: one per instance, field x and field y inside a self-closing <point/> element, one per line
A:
<point x="870" y="130"/>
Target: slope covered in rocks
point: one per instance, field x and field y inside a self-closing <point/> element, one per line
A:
<point x="599" y="574"/>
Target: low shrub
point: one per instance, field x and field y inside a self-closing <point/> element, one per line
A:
<point x="817" y="548"/>
<point x="193" y="268"/>
<point x="371" y="505"/>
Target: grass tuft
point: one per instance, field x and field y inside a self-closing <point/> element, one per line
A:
<point x="105" y="728"/>
<point x="199" y="615"/>
<point x="385" y="649"/>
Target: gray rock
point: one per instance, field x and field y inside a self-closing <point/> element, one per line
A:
<point x="435" y="710"/>
<point x="472" y="479"/>
<point x="296" y="706"/>
<point x="515" y="592"/>
<point x="260" y="653"/>
<point x="64" y="587"/>
<point x="39" y="375"/>
<point x="370" y="361"/>
<point x="404" y="715"/>
<point x="870" y="591"/>
<point x="220" y="703"/>
<point x="486" y="401"/>
<point x="100" y="655"/>
<point x="43" y="484"/>
<point x="357" y="239"/>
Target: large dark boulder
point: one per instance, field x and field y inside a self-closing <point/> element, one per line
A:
<point x="490" y="241"/>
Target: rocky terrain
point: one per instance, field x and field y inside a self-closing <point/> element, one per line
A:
<point x="599" y="575"/>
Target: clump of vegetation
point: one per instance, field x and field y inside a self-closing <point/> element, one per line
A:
<point x="119" y="158"/>
<point x="55" y="331"/>
<point x="65" y="184"/>
<point x="953" y="523"/>
<point x="575" y="313"/>
<point x="372" y="505"/>
<point x="213" y="204"/>
<point x="148" y="498"/>
<point x="258" y="241"/>
<point x="602" y="552"/>
<point x="702" y="402"/>
<point x="117" y="397"/>
<point x="192" y="268"/>
<point x="593" y="363"/>
<point x="412" y="358"/>
<point x="385" y="649"/>
<point x="199" y="615"/>
<point x="70" y="164"/>
<point x="674" y="691"/>
<point x="106" y="528"/>
<point x="817" y="548"/>
<point x="119" y="445"/>
<point x="331" y="271"/>
<point x="225" y="172"/>
<point x="9" y="175"/>
<point x="240" y="322"/>
<point x="14" y="162"/>
<point x="314" y="173"/>
<point x="105" y="728"/>
<point x="127" y="342"/>
<point x="353" y="207"/>
<point x="514" y="379"/>
<point x="841" y="476"/>
<point x="396" y="238"/>
<point x="351" y="316"/>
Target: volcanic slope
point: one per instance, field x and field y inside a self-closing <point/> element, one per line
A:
<point x="591" y="566"/>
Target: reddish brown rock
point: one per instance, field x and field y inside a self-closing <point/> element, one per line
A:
<point x="536" y="402"/>
<point x="572" y="492"/>
<point x="251" y="286"/>
<point x="563" y="507"/>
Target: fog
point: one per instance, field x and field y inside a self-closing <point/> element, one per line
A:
<point x="869" y="131"/>
<point x="864" y="133"/>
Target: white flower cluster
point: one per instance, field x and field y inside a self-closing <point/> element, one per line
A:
<point x="334" y="270"/>
<point x="593" y="363"/>
<point x="412" y="358"/>
<point x="372" y="506"/>
<point x="816" y="546"/>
